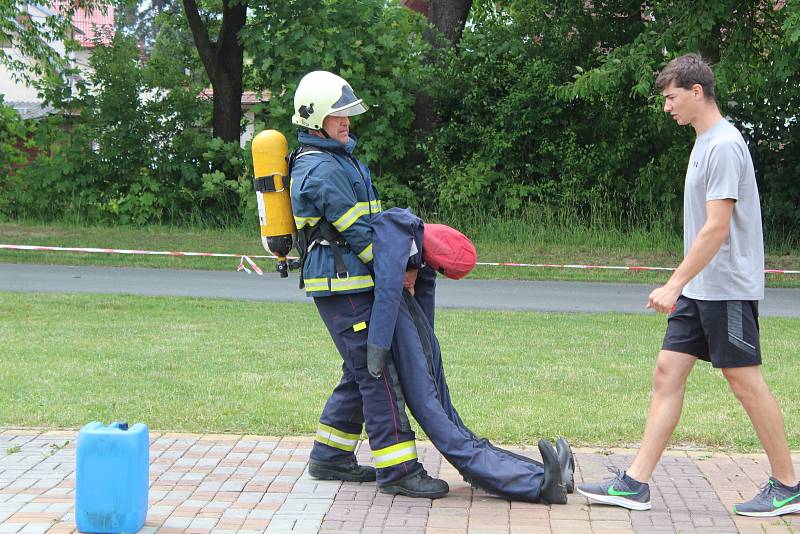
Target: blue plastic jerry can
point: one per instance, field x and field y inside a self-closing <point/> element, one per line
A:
<point x="111" y="477"/>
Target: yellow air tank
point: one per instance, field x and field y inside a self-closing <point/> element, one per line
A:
<point x="272" y="191"/>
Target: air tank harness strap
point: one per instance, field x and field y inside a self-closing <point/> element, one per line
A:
<point x="266" y="184"/>
<point x="322" y="234"/>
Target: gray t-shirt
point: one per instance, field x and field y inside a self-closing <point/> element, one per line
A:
<point x="720" y="167"/>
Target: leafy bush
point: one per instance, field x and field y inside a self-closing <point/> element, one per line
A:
<point x="14" y="137"/>
<point x="754" y="49"/>
<point x="544" y="107"/>
<point x="137" y="152"/>
<point x="553" y="104"/>
<point x="503" y="122"/>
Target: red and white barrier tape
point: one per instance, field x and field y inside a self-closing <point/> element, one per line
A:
<point x="124" y="251"/>
<point x="567" y="266"/>
<point x="608" y="267"/>
<point x="243" y="267"/>
<point x="248" y="259"/>
<point x="242" y="260"/>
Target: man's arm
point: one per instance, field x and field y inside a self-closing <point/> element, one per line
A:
<point x="709" y="240"/>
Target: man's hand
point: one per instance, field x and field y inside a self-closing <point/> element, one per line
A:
<point x="410" y="280"/>
<point x="664" y="298"/>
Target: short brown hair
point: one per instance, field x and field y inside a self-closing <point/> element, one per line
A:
<point x="685" y="71"/>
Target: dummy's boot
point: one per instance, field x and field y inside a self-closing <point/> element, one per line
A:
<point x="567" y="462"/>
<point x="420" y="484"/>
<point x="553" y="490"/>
<point x="349" y="471"/>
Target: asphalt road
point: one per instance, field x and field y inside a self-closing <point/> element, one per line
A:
<point x="484" y="294"/>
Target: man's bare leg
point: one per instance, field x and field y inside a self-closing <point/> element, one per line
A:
<point x="669" y="385"/>
<point x="752" y="391"/>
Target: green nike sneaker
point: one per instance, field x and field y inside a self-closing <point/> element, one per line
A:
<point x="621" y="490"/>
<point x="773" y="499"/>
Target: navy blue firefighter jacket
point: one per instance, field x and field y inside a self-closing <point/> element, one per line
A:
<point x="328" y="182"/>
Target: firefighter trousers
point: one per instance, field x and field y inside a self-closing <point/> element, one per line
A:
<point x="361" y="400"/>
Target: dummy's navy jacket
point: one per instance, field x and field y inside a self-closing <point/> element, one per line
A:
<point x="329" y="171"/>
<point x="406" y="323"/>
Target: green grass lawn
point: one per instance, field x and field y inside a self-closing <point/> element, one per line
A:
<point x="496" y="241"/>
<point x="203" y="365"/>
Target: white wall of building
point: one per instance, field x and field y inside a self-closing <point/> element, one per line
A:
<point x="16" y="90"/>
<point x="25" y="95"/>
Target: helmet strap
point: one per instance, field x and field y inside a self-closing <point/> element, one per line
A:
<point x="319" y="133"/>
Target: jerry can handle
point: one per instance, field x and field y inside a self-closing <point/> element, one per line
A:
<point x="121" y="425"/>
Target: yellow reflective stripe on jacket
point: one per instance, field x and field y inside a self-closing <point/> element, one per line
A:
<point x="353" y="282"/>
<point x="375" y="206"/>
<point x="350" y="216"/>
<point x="336" y="438"/>
<point x="316" y="284"/>
<point x="300" y="222"/>
<point x="396" y="454"/>
<point x="366" y="254"/>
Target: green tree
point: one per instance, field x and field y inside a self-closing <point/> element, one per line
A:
<point x="552" y="103"/>
<point x="506" y="140"/>
<point x="216" y="36"/>
<point x="141" y="150"/>
<point x="375" y="46"/>
<point x="145" y="19"/>
<point x="754" y="48"/>
<point x="447" y="19"/>
<point x="153" y="158"/>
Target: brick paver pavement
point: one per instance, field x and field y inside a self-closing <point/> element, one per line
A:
<point x="248" y="484"/>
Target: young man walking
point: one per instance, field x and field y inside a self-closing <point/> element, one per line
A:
<point x="712" y="299"/>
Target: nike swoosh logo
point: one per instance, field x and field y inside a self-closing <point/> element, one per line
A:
<point x="777" y="504"/>
<point x="612" y="491"/>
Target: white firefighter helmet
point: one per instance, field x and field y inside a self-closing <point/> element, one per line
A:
<point x="322" y="93"/>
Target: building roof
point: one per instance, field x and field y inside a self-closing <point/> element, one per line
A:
<point x="91" y="24"/>
<point x="249" y="98"/>
<point x="94" y="24"/>
<point x="31" y="110"/>
<point x="36" y="11"/>
<point x="46" y="11"/>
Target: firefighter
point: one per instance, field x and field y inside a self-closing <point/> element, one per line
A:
<point x="333" y="201"/>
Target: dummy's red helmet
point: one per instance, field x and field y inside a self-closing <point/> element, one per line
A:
<point x="448" y="251"/>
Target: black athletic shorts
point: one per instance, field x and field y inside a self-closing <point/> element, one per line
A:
<point x="724" y="332"/>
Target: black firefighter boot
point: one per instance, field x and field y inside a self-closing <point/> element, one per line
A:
<point x="567" y="462"/>
<point x="419" y="484"/>
<point x="349" y="471"/>
<point x="553" y="490"/>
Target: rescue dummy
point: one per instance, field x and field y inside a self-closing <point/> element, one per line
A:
<point x="401" y="339"/>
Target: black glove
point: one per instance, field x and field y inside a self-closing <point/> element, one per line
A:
<point x="377" y="357"/>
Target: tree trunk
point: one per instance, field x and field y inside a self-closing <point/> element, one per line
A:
<point x="449" y="17"/>
<point x="227" y="111"/>
<point x="224" y="63"/>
